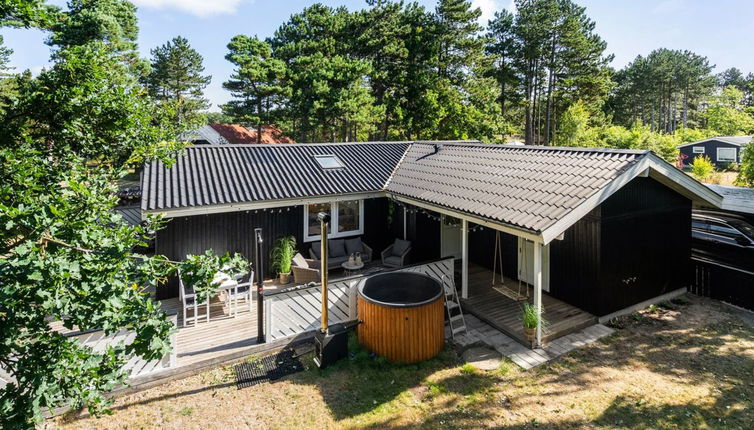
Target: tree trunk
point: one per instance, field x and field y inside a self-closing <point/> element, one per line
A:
<point x="685" y="106"/>
<point x="550" y="84"/>
<point x="529" y="78"/>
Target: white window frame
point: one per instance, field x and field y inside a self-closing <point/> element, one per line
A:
<point x="698" y="149"/>
<point x="333" y="230"/>
<point x="727" y="160"/>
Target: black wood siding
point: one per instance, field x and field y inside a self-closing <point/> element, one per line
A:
<point x="482" y="250"/>
<point x="234" y="232"/>
<point x="424" y="234"/>
<point x="575" y="264"/>
<point x="634" y="247"/>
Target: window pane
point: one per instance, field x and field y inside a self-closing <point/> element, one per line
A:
<point x="348" y="216"/>
<point x="726" y="154"/>
<point x="328" y="161"/>
<point x="744" y="227"/>
<point x="698" y="150"/>
<point x="314" y="227"/>
<point x="723" y="230"/>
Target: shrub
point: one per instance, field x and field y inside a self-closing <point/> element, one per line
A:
<point x="702" y="168"/>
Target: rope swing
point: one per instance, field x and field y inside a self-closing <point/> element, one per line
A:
<point x="498" y="261"/>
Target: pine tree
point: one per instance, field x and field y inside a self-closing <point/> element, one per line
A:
<point x="177" y="83"/>
<point x="330" y="97"/>
<point x="257" y="84"/>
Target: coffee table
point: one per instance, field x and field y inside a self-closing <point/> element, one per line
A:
<point x="351" y="269"/>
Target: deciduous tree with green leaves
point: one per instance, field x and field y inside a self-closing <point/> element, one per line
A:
<point x="66" y="258"/>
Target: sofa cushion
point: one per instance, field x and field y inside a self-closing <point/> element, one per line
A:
<point x="336" y="247"/>
<point x="392" y="260"/>
<point x="354" y="245"/>
<point x="335" y="262"/>
<point x="300" y="261"/>
<point x="316" y="248"/>
<point x="400" y="246"/>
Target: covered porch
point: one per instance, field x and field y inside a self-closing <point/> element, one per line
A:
<point x="493" y="304"/>
<point x="481" y="248"/>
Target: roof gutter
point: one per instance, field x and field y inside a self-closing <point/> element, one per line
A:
<point x="264" y="204"/>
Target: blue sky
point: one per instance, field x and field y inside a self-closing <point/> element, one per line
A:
<point x="719" y="29"/>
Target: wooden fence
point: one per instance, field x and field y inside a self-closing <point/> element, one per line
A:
<point x="724" y="283"/>
<point x="298" y="309"/>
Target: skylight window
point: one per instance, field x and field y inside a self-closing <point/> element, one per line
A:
<point x="329" y="162"/>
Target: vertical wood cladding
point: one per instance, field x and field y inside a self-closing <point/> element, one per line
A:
<point x="646" y="243"/>
<point x="234" y="232"/>
<point x="482" y="250"/>
<point x="635" y="246"/>
<point x="575" y="264"/>
<point x="424" y="234"/>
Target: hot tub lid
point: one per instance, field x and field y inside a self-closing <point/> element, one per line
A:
<point x="400" y="289"/>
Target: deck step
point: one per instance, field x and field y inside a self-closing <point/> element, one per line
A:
<point x="459" y="330"/>
<point x="456" y="318"/>
<point x="451" y="304"/>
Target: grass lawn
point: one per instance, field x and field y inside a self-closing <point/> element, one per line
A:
<point x="684" y="365"/>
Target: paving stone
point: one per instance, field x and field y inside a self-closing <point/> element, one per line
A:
<point x="483" y="358"/>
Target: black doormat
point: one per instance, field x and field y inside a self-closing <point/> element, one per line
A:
<point x="267" y="368"/>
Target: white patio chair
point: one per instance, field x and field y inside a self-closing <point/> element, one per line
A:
<point x="242" y="290"/>
<point x="190" y="301"/>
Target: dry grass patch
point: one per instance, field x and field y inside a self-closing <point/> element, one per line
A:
<point x="683" y="365"/>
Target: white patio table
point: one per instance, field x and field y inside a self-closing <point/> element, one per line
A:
<point x="227" y="283"/>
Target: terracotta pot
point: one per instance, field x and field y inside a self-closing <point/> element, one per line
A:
<point x="285" y="278"/>
<point x="531" y="334"/>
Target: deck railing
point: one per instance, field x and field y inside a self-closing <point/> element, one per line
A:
<point x="297" y="310"/>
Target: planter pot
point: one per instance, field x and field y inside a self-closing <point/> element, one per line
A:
<point x="285" y="278"/>
<point x="531" y="334"/>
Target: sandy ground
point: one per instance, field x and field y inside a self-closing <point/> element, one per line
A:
<point x="684" y="365"/>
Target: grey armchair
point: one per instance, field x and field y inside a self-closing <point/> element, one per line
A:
<point x="305" y="270"/>
<point x="395" y="254"/>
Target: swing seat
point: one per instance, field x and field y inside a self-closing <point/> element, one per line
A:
<point x="510" y="293"/>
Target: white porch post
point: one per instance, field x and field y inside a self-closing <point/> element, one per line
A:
<point x="464" y="259"/>
<point x="538" y="289"/>
<point x="405" y="229"/>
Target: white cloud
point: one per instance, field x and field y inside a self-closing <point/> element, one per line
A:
<point x="489" y="7"/>
<point x="201" y="8"/>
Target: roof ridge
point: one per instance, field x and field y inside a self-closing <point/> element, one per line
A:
<point x="279" y="145"/>
<point x="478" y="144"/>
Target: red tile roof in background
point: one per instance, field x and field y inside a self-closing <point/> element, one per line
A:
<point x="238" y="134"/>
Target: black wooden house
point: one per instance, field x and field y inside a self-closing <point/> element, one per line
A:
<point x="599" y="229"/>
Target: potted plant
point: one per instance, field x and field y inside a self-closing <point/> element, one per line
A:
<point x="531" y="321"/>
<point x="282" y="256"/>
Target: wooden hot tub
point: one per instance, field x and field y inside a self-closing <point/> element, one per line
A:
<point x="402" y="316"/>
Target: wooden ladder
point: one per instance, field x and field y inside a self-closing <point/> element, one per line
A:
<point x="456" y="321"/>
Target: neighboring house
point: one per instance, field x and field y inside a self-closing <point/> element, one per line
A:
<point x="722" y="150"/>
<point x="235" y="134"/>
<point x="596" y="229"/>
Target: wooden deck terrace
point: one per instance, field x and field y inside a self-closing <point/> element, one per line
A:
<point x="224" y="334"/>
<point x="505" y="314"/>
